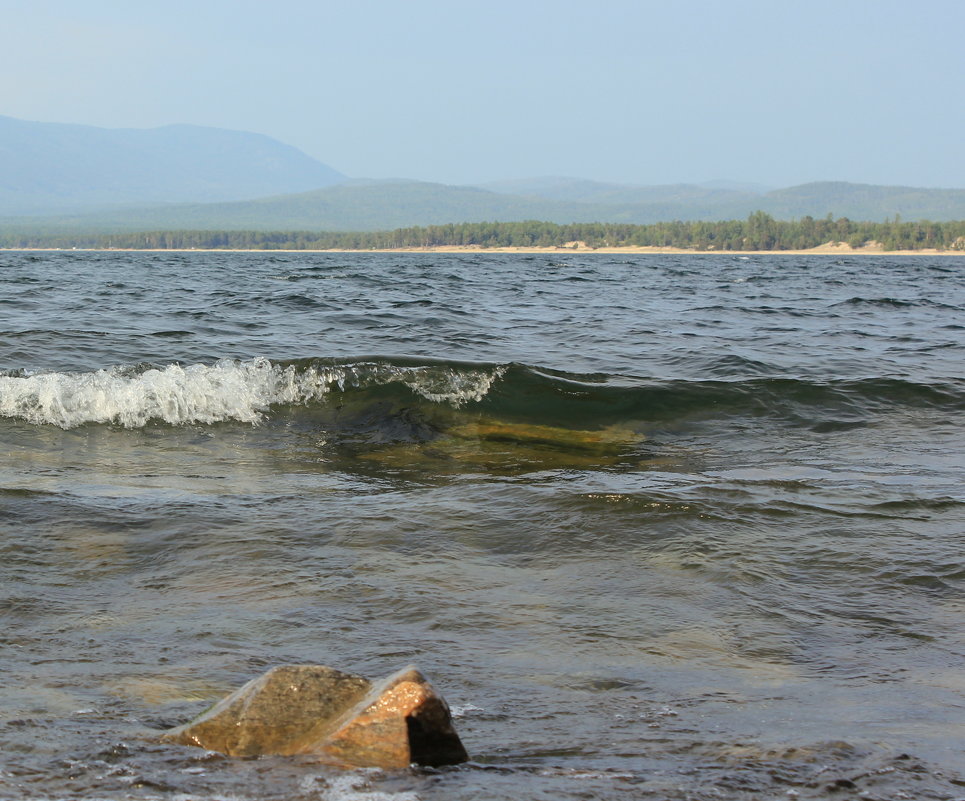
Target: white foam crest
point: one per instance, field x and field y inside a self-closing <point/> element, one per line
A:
<point x="464" y="710"/>
<point x="435" y="383"/>
<point x="449" y="386"/>
<point x="356" y="788"/>
<point x="227" y="390"/>
<point x="198" y="393"/>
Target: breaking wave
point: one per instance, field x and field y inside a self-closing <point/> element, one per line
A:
<point x="252" y="391"/>
<point x="242" y="391"/>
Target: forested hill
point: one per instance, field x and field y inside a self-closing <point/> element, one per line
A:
<point x="864" y="202"/>
<point x="387" y="205"/>
<point x="728" y="200"/>
<point x="48" y="168"/>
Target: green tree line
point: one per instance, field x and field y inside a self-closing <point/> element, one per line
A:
<point x="759" y="231"/>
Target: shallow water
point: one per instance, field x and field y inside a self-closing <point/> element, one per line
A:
<point x="658" y="526"/>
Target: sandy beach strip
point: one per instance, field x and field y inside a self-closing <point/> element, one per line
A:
<point x="829" y="249"/>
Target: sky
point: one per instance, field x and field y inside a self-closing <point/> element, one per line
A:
<point x="776" y="93"/>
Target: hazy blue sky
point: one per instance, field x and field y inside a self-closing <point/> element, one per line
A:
<point x="777" y="92"/>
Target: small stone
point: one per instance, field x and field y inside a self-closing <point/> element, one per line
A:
<point x="339" y="717"/>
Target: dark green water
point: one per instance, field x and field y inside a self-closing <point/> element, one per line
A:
<point x="658" y="527"/>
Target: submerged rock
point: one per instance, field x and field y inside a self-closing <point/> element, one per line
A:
<point x="339" y="717"/>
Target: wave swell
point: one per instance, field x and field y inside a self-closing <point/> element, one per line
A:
<point x="251" y="391"/>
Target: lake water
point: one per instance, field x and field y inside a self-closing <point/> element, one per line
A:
<point x="670" y="527"/>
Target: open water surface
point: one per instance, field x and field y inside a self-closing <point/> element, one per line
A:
<point x="670" y="527"/>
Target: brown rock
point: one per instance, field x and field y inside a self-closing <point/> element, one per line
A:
<point x="338" y="717"/>
<point x="277" y="713"/>
<point x="402" y="720"/>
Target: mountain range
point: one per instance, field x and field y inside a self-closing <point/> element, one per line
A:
<point x="53" y="168"/>
<point x="71" y="177"/>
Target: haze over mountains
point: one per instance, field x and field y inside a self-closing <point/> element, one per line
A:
<point x="50" y="168"/>
<point x="72" y="177"/>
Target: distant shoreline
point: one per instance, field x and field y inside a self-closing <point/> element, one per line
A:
<point x="758" y="233"/>
<point x="838" y="249"/>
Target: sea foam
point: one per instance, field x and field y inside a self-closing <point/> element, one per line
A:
<point x="243" y="391"/>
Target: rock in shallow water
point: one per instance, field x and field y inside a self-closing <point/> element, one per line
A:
<point x="339" y="717"/>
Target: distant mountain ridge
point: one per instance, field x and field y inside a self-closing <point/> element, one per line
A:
<point x="48" y="168"/>
<point x="386" y="205"/>
<point x="584" y="191"/>
<point x="74" y="177"/>
<point x="717" y="200"/>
